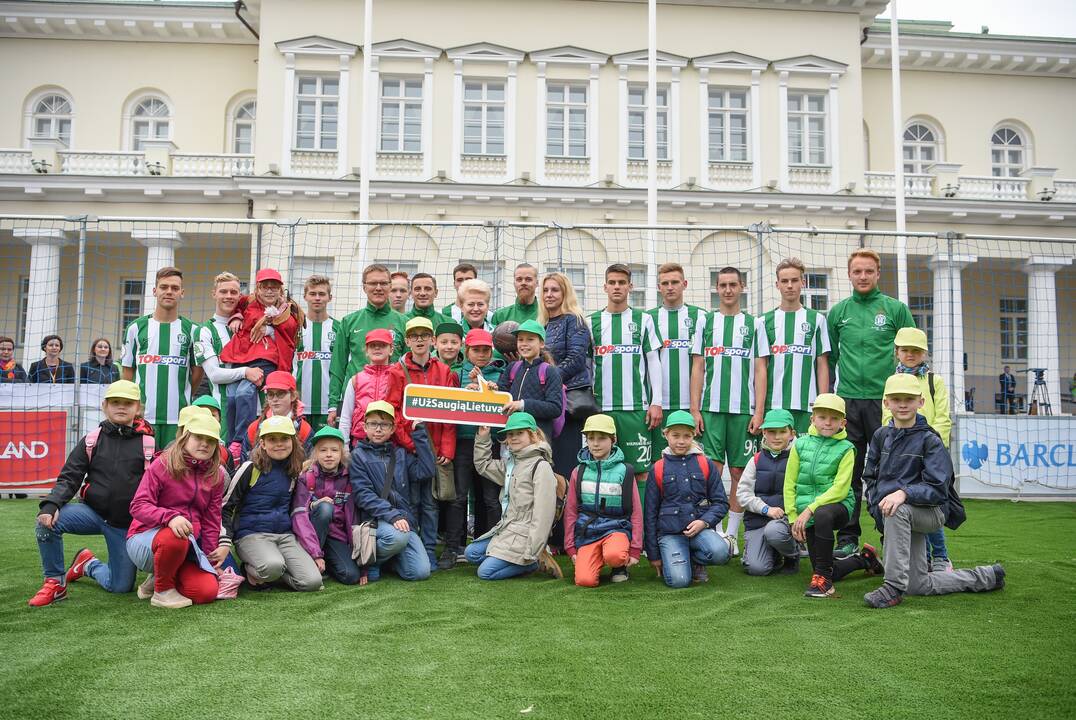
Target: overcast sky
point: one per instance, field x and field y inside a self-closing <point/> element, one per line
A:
<point x="1053" y="18"/>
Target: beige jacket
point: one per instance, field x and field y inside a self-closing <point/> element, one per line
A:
<point x="532" y="500"/>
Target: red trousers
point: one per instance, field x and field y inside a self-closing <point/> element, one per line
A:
<point x="173" y="570"/>
<point x="611" y="550"/>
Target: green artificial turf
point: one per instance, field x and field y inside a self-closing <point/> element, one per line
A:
<point x="456" y="647"/>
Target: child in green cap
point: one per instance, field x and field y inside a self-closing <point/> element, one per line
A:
<point x="534" y="381"/>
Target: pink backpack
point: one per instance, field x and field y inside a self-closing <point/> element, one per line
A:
<point x="149" y="451"/>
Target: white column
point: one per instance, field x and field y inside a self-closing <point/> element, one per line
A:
<point x="835" y="137"/>
<point x="622" y="135"/>
<point x="160" y="252"/>
<point x="755" y="110"/>
<point x="510" y="122"/>
<point x="674" y="131"/>
<point x="704" y="127"/>
<point x="343" y="162"/>
<point x="947" y="353"/>
<point x="43" y="297"/>
<point x="541" y="126"/>
<point x="1042" y="316"/>
<point x="592" y="123"/>
<point x="427" y="118"/>
<point x="287" y="129"/>
<point x="782" y="129"/>
<point x="457" y="119"/>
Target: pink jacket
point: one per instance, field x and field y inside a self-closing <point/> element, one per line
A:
<point x="369" y="385"/>
<point x="196" y="496"/>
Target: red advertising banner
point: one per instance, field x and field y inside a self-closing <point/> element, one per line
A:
<point x="32" y="450"/>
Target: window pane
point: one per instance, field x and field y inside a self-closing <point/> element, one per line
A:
<point x="495" y="92"/>
<point x="577" y="94"/>
<point x="390" y="88"/>
<point x="636" y="95"/>
<point x="816" y="103"/>
<point x="43" y="127"/>
<point x="307" y="86"/>
<point x="162" y="129"/>
<point x="578" y="150"/>
<point x="472" y="91"/>
<point x="328" y="109"/>
<point x="413" y="89"/>
<point x="554" y="93"/>
<point x="795" y="103"/>
<point x="330" y="86"/>
<point x="737" y="100"/>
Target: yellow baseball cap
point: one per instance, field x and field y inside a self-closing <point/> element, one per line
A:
<point x="600" y="423"/>
<point x="903" y="384"/>
<point x="123" y="390"/>
<point x="416" y="324"/>
<point x="382" y="407"/>
<point x="190" y="412"/>
<point x="276" y="425"/>
<point x="911" y="337"/>
<point x="203" y="423"/>
<point x="830" y="401"/>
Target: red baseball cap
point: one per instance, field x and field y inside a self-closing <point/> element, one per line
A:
<point x="381" y="335"/>
<point x="280" y="380"/>
<point x="268" y="274"/>
<point x="478" y="337"/>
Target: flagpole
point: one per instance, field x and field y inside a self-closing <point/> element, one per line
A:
<point x="366" y="164"/>
<point x="651" y="140"/>
<point x="898" y="156"/>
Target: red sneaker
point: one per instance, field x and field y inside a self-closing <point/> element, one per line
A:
<point x="78" y="565"/>
<point x="52" y="591"/>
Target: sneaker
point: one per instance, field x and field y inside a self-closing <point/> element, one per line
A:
<point x="461" y="559"/>
<point x="874" y="566"/>
<point x="820" y="587"/>
<point x="884" y="597"/>
<point x="170" y="599"/>
<point x="548" y="565"/>
<point x="699" y="574"/>
<point x="51" y="591"/>
<point x="448" y="560"/>
<point x="78" y="565"/>
<point x="999" y="577"/>
<point x="619" y="574"/>
<point x="846" y="550"/>
<point x="791" y="566"/>
<point x="145" y="590"/>
<point x="803" y="550"/>
<point x="941" y="565"/>
<point x="734" y="547"/>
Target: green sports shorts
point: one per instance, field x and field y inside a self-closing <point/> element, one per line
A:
<point x="633" y="438"/>
<point x="725" y="438"/>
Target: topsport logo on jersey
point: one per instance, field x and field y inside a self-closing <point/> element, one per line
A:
<point x="171" y="360"/>
<point x="722" y="351"/>
<point x="314" y="355"/>
<point x="617" y="350"/>
<point x="792" y="349"/>
<point x="683" y="344"/>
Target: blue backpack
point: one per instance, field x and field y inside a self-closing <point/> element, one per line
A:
<point x="558" y="422"/>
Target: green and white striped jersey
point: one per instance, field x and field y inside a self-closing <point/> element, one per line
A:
<point x="210" y="338"/>
<point x="621" y="342"/>
<point x="312" y="359"/>
<point x="729" y="345"/>
<point x="162" y="355"/>
<point x="676" y="329"/>
<point x="795" y="339"/>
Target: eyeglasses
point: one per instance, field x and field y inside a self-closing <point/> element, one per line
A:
<point x="377" y="283"/>
<point x="379" y="425"/>
<point x="420" y="336"/>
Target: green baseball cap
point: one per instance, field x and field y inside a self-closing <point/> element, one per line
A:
<point x="449" y="327"/>
<point x="207" y="401"/>
<point x="531" y="326"/>
<point x="328" y="432"/>
<point x="680" y="417"/>
<point x="777" y="418"/>
<point x="518" y="421"/>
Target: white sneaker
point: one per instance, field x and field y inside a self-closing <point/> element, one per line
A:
<point x="734" y="547"/>
<point x="145" y="590"/>
<point x="170" y="599"/>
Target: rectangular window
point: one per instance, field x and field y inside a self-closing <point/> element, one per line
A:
<point x="483" y="117"/>
<point x="728" y="125"/>
<point x="304" y="267"/>
<point x="637" y="298"/>
<point x="406" y="266"/>
<point x="815" y="291"/>
<point x="132" y="297"/>
<point x="566" y="120"/>
<point x="316" y="105"/>
<point x="807" y="120"/>
<point x="577" y="275"/>
<point x="244" y="138"/>
<point x="486" y="268"/>
<point x="24" y="301"/>
<point x="637" y="122"/>
<point x="401" y="115"/>
<point x="922" y="307"/>
<point x="1013" y="325"/>
<point x="715" y="299"/>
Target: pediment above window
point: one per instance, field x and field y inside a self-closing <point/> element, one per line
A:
<point x="316" y="45"/>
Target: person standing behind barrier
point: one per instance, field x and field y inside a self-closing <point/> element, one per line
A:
<point x="1007" y="383"/>
<point x="314" y="354"/>
<point x="460" y="274"/>
<point x="51" y="369"/>
<point x="159" y="352"/>
<point x="99" y="369"/>
<point x="349" y="348"/>
<point x="862" y="329"/>
<point x="10" y="371"/>
<point x="798" y="339"/>
<point x="423" y="296"/>
<point x="677" y="324"/>
<point x="525" y="307"/>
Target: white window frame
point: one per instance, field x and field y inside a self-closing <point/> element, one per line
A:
<point x="804" y="116"/>
<point x="914" y="144"/>
<point x="402" y="102"/>
<point x="722" y="151"/>
<point x="320" y="139"/>
<point x="23" y="310"/>
<point x="137" y="296"/>
<point x="244" y="114"/>
<point x="566" y="108"/>
<point x="814" y="290"/>
<point x="636" y="116"/>
<point x="1002" y="141"/>
<point x="54" y="118"/>
<point x="487" y="145"/>
<point x="303" y="266"/>
<point x="1009" y="323"/>
<point x="922" y="308"/>
<point x="408" y="266"/>
<point x="152" y="122"/>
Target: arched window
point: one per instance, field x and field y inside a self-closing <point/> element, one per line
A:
<point x="1008" y="153"/>
<point x="150" y="120"/>
<point x="52" y="118"/>
<point x="243" y="128"/>
<point x="920" y="148"/>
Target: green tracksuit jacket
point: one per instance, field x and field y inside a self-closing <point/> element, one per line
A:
<point x="349" y="348"/>
<point x="516" y="312"/>
<point x="862" y="329"/>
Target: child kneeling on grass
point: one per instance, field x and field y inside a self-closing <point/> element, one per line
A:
<point x="176" y="515"/>
<point x="104" y="469"/>
<point x="907" y="485"/>
<point x="768" y="543"/>
<point x="517" y="543"/>
<point x="818" y="496"/>
<point x="326" y="488"/>
<point x="265" y="512"/>
<point x="685" y="502"/>
<point x="381" y="474"/>
<point x="602" y="512"/>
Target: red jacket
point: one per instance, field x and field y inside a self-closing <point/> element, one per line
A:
<point x="435" y="372"/>
<point x="277" y="348"/>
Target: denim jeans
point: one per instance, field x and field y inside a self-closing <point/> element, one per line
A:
<point x="491" y="568"/>
<point x="401" y="552"/>
<point x="338" y="560"/>
<point x="425" y="508"/>
<point x="117" y="576"/>
<point x="936" y="548"/>
<point x="243" y="400"/>
<point x="678" y="552"/>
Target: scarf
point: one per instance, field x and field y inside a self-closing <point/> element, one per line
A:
<point x="918" y="370"/>
<point x="8" y="369"/>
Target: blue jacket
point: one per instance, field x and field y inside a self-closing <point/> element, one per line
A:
<point x="567" y="339"/>
<point x="544" y="402"/>
<point x="264" y="507"/>
<point x="94" y="373"/>
<point x="369" y="465"/>
<point x="910" y="459"/>
<point x="685" y="497"/>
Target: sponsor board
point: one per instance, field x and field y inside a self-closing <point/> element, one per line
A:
<point x="1016" y="454"/>
<point x="32" y="449"/>
<point x="434" y="403"/>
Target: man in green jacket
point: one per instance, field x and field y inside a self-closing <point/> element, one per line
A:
<point x="349" y="347"/>
<point x="526" y="306"/>
<point x="423" y="295"/>
<point x="862" y="329"/>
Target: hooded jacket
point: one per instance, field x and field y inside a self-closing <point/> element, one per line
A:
<point x="277" y="346"/>
<point x="194" y="495"/>
<point x="369" y="385"/>
<point x="684" y="497"/>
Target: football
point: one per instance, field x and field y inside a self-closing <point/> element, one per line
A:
<point x="503" y="339"/>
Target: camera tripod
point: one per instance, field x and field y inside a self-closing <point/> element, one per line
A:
<point x="1040" y="396"/>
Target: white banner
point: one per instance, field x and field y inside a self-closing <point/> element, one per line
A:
<point x="1009" y="455"/>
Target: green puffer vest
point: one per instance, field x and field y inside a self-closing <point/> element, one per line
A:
<point x="819" y="459"/>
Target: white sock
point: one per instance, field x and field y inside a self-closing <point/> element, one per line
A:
<point x="733" y="525"/>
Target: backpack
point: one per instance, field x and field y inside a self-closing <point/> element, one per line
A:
<point x="558" y="422"/>
<point x="149" y="448"/>
<point x="659" y="471"/>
